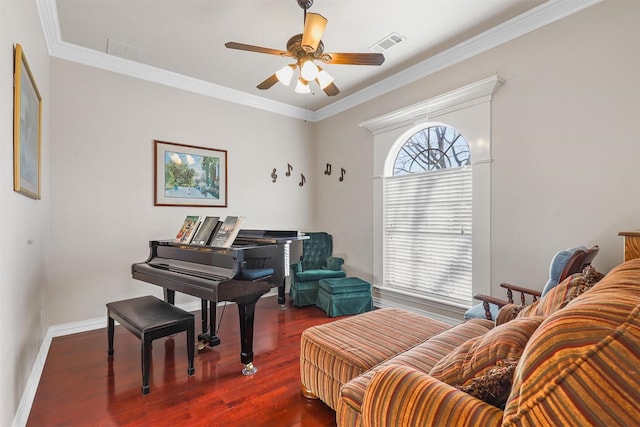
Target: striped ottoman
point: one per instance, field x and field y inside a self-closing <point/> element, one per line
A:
<point x="333" y="353"/>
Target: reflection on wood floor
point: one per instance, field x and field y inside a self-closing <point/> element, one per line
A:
<point x="81" y="387"/>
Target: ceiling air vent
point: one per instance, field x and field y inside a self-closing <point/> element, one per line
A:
<point x="387" y="42"/>
<point x="123" y="50"/>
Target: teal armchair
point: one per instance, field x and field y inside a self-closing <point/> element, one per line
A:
<point x="316" y="263"/>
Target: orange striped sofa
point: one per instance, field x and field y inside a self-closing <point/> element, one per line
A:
<point x="574" y="355"/>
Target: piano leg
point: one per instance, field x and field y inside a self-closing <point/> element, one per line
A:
<point x="246" y="310"/>
<point x="208" y="311"/>
<point x="281" y="297"/>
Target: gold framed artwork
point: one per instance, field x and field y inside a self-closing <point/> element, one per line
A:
<point x="186" y="175"/>
<point x="27" y="128"/>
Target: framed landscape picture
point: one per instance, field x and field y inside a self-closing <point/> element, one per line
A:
<point x="27" y="128"/>
<point x="186" y="175"/>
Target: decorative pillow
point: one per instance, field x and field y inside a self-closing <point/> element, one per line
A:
<point x="479" y="354"/>
<point x="494" y="386"/>
<point x="561" y="295"/>
<point x="508" y="312"/>
<point x="591" y="275"/>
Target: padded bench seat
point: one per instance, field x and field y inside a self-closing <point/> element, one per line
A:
<point x="334" y="353"/>
<point x="343" y="296"/>
<point x="149" y="318"/>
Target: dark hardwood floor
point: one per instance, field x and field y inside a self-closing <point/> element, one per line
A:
<point x="80" y="386"/>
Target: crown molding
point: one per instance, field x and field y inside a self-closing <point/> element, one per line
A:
<point x="471" y="94"/>
<point x="545" y="14"/>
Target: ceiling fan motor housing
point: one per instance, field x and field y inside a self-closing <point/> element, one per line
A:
<point x="293" y="46"/>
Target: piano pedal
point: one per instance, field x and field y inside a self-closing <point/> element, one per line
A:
<point x="200" y="346"/>
<point x="210" y="340"/>
<point x="249" y="369"/>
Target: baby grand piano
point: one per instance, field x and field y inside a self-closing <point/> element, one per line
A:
<point x="256" y="262"/>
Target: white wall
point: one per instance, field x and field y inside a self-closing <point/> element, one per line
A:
<point x="24" y="222"/>
<point x="344" y="208"/>
<point x="103" y="127"/>
<point x="565" y="129"/>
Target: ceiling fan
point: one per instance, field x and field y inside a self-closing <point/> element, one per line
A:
<point x="306" y="48"/>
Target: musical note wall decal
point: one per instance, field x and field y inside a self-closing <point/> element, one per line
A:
<point x="302" y="180"/>
<point x="342" y="172"/>
<point x="328" y="169"/>
<point x="289" y="169"/>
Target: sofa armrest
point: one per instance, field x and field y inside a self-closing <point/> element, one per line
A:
<point x="335" y="263"/>
<point x="402" y="396"/>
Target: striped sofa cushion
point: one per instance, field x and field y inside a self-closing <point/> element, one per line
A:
<point x="422" y="357"/>
<point x="582" y="366"/>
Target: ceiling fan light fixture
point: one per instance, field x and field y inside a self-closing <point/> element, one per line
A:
<point x="324" y="79"/>
<point x="309" y="70"/>
<point x="305" y="49"/>
<point x="285" y="74"/>
<point x="314" y="26"/>
<point x="302" y="86"/>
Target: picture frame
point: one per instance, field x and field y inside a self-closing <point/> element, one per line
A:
<point x="188" y="175"/>
<point x="27" y="128"/>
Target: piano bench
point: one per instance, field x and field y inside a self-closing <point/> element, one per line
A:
<point x="149" y="318"/>
<point x="343" y="296"/>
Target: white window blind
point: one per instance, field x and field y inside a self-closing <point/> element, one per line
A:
<point x="428" y="236"/>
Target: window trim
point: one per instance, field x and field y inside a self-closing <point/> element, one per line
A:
<point x="468" y="109"/>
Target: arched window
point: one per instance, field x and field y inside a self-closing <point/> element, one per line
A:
<point x="432" y="148"/>
<point x="467" y="111"/>
<point x="428" y="216"/>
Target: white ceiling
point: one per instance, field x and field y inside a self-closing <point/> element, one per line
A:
<point x="184" y="39"/>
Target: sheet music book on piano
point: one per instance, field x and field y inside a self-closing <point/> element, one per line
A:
<point x="188" y="229"/>
<point x="228" y="231"/>
<point x="206" y="231"/>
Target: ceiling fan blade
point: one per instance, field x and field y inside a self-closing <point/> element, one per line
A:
<point x="331" y="90"/>
<point x="314" y="25"/>
<point x="270" y="81"/>
<point x="258" y="49"/>
<point x="355" y="58"/>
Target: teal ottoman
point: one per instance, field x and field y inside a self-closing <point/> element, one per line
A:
<point x="342" y="296"/>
